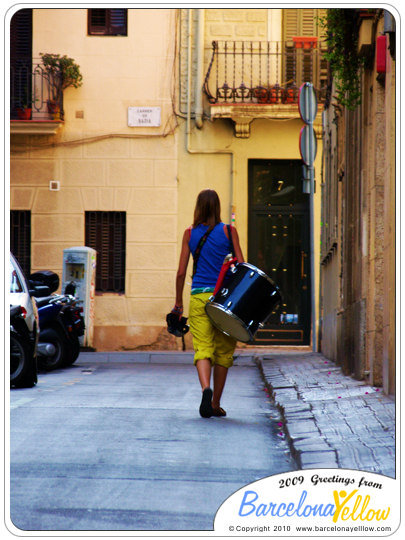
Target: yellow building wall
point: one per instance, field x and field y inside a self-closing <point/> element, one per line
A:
<point x="214" y="158"/>
<point x="228" y="173"/>
<point x="102" y="164"/>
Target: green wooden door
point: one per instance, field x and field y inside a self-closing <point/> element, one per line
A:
<point x="278" y="244"/>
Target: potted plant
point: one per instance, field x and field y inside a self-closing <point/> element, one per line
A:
<point x="24" y="112"/>
<point x="261" y="94"/>
<point x="267" y="94"/>
<point x="61" y="72"/>
<point x="24" y="108"/>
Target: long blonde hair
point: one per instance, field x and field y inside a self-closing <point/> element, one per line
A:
<point x="207" y="208"/>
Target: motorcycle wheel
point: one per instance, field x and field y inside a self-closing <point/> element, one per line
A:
<point x="23" y="368"/>
<point x="73" y="352"/>
<point x="57" y="360"/>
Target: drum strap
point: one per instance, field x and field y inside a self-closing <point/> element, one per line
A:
<point x="230" y="239"/>
<point x="224" y="269"/>
<point x="199" y="247"/>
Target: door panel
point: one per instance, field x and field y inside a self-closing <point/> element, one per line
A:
<point x="278" y="244"/>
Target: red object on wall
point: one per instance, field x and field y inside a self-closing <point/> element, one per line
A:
<point x="305" y="42"/>
<point x="381" y="54"/>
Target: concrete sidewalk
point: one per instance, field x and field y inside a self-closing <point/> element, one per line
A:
<point x="330" y="420"/>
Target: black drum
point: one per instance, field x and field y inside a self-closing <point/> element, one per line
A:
<point x="244" y="302"/>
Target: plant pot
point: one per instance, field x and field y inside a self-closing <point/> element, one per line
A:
<point x="274" y="94"/>
<point x="266" y="95"/>
<point x="24" y="113"/>
<point x="260" y="94"/>
<point x="288" y="96"/>
<point x="53" y="109"/>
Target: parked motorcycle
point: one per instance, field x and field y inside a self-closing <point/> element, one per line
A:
<point x="61" y="324"/>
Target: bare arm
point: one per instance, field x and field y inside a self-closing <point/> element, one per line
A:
<point x="182" y="269"/>
<point x="236" y="245"/>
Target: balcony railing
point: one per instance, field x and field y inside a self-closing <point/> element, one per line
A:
<point x="245" y="72"/>
<point x="34" y="93"/>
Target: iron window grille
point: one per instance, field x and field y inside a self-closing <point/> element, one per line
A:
<point x="106" y="233"/>
<point x="107" y="22"/>
<point x="20" y="238"/>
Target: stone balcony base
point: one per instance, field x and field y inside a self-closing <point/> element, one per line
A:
<point x="35" y="127"/>
<point x="243" y="114"/>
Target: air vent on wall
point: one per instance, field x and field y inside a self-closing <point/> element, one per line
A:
<point x="54" y="185"/>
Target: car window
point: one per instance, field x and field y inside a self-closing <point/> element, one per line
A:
<point x="15" y="283"/>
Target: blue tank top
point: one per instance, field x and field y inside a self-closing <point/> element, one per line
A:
<point x="212" y="255"/>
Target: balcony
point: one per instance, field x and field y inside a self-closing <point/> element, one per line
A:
<point x="36" y="98"/>
<point x="261" y="79"/>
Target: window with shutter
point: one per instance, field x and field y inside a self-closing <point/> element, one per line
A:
<point x="302" y="22"/>
<point x="302" y="66"/>
<point x="290" y="24"/>
<point x="20" y="238"/>
<point x="20" y="60"/>
<point x="107" y="22"/>
<point x="106" y="233"/>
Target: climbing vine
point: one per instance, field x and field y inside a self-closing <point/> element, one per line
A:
<point x="341" y="26"/>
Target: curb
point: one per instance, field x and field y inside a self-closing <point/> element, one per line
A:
<point x="330" y="420"/>
<point x="156" y="357"/>
<point x="272" y="394"/>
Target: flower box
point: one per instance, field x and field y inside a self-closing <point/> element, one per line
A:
<point x="302" y="42"/>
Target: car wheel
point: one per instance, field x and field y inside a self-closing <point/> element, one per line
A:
<point x="23" y="372"/>
<point x="57" y="360"/>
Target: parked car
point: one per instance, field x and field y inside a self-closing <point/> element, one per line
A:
<point x="24" y="327"/>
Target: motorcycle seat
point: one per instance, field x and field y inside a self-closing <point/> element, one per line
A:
<point x="43" y="301"/>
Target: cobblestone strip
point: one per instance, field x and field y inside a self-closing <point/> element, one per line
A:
<point x="330" y="420"/>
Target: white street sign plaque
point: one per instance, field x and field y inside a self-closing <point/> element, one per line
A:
<point x="144" y="116"/>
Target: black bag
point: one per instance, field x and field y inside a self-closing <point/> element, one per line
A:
<point x="176" y="326"/>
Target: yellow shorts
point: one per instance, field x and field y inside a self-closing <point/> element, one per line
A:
<point x="208" y="342"/>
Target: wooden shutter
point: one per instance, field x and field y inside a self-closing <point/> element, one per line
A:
<point x="97" y="21"/>
<point x="302" y="22"/>
<point x="107" y="22"/>
<point x="308" y="24"/>
<point x="106" y="233"/>
<point x="290" y="24"/>
<point x="20" y="59"/>
<point x="21" y="35"/>
<point x="20" y="238"/>
<point x="298" y="65"/>
<point x="118" y="22"/>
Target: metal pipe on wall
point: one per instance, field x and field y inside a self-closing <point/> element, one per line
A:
<point x="200" y="69"/>
<point x="189" y="149"/>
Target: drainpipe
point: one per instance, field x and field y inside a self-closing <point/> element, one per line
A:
<point x="189" y="149"/>
<point x="200" y="68"/>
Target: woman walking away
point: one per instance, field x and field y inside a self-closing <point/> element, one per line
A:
<point x="209" y="243"/>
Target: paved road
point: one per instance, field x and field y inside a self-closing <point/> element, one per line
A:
<point x="121" y="446"/>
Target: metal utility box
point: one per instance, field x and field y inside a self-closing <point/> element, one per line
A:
<point x="79" y="274"/>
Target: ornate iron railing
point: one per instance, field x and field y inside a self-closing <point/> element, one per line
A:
<point x="264" y="71"/>
<point x="35" y="94"/>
